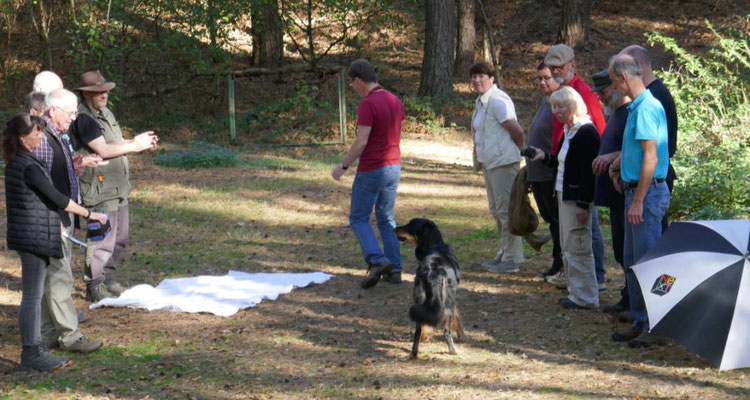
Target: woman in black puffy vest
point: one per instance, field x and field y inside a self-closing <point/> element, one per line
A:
<point x="33" y="207"/>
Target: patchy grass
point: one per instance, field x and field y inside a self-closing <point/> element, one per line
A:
<point x="280" y="211"/>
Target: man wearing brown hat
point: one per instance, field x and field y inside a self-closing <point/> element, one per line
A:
<point x="105" y="188"/>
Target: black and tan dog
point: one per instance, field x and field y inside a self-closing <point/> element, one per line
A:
<point x="435" y="283"/>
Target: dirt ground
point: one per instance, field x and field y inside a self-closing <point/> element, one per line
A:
<point x="335" y="340"/>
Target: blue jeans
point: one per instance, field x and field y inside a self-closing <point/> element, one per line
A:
<point x="376" y="189"/>
<point x="597" y="245"/>
<point x="638" y="239"/>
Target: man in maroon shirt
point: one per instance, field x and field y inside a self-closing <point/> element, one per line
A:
<point x="377" y="148"/>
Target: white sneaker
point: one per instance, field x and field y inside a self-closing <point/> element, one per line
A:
<point x="558" y="278"/>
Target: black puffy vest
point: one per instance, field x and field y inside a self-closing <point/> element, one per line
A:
<point x="33" y="220"/>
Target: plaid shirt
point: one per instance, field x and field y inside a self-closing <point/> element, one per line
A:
<point x="45" y="153"/>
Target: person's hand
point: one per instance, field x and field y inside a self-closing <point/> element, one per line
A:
<point x="146" y="140"/>
<point x="615" y="178"/>
<point x="582" y="215"/>
<point x="635" y="213"/>
<point x="97" y="216"/>
<point x="78" y="165"/>
<point x="94" y="160"/>
<point x="337" y="172"/>
<point x="600" y="165"/>
<point x="538" y="154"/>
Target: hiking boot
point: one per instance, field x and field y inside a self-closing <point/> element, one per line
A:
<point x="628" y="335"/>
<point x="95" y="293"/>
<point x="536" y="241"/>
<point x="40" y="359"/>
<point x="375" y="271"/>
<point x="116" y="288"/>
<point x="82" y="345"/>
<point x="626" y="316"/>
<point x="503" y="268"/>
<point x="394" y="277"/>
<point x="82" y="316"/>
<point x="616" y="308"/>
<point x="646" y="339"/>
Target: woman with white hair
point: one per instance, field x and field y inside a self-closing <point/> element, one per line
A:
<point x="574" y="188"/>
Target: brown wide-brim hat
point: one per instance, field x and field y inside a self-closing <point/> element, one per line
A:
<point x="93" y="81"/>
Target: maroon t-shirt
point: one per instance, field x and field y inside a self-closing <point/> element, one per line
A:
<point x="383" y="112"/>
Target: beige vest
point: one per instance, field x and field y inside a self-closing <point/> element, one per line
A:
<point x="498" y="148"/>
<point x="108" y="186"/>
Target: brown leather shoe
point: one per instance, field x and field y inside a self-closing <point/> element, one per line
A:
<point x="375" y="271"/>
<point x="628" y="335"/>
<point x="646" y="339"/>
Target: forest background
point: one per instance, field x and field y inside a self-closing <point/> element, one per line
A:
<point x="205" y="203"/>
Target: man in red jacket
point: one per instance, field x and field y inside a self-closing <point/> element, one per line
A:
<point x="561" y="61"/>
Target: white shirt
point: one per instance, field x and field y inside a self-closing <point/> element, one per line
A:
<point x="502" y="109"/>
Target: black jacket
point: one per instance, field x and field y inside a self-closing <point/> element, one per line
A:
<point x="33" y="218"/>
<point x="578" y="176"/>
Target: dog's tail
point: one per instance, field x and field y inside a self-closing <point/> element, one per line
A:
<point x="432" y="311"/>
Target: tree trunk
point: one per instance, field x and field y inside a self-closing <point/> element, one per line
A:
<point x="575" y="22"/>
<point x="437" y="63"/>
<point x="268" y="42"/>
<point x="465" y="38"/>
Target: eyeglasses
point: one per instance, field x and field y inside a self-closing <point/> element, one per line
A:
<point x="69" y="114"/>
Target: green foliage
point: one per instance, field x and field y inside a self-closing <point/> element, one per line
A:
<point x="198" y="155"/>
<point x="421" y="110"/>
<point x="308" y="113"/>
<point x="713" y="155"/>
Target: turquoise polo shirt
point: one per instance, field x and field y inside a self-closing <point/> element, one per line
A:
<point x="646" y="121"/>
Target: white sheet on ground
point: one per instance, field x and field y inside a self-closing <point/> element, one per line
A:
<point x="219" y="295"/>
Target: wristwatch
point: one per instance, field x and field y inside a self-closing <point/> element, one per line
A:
<point x="344" y="167"/>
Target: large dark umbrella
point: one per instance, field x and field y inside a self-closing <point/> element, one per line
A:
<point x="696" y="284"/>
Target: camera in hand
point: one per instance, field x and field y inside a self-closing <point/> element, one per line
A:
<point x="97" y="231"/>
<point x="528" y="152"/>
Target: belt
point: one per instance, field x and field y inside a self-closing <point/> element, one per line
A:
<point x="633" y="185"/>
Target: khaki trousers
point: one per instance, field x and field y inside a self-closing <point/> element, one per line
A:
<point x="102" y="256"/>
<point x="498" y="182"/>
<point x="59" y="319"/>
<point x="578" y="258"/>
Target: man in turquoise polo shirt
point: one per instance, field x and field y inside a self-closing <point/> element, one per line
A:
<point x="642" y="167"/>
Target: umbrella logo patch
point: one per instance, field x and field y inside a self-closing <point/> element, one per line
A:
<point x="663" y="285"/>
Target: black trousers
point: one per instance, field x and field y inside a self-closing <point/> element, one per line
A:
<point x="544" y="195"/>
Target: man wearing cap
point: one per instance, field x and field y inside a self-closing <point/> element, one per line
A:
<point x="616" y="109"/>
<point x="660" y="91"/>
<point x="561" y="61"/>
<point x="642" y="166"/>
<point x="105" y="188"/>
